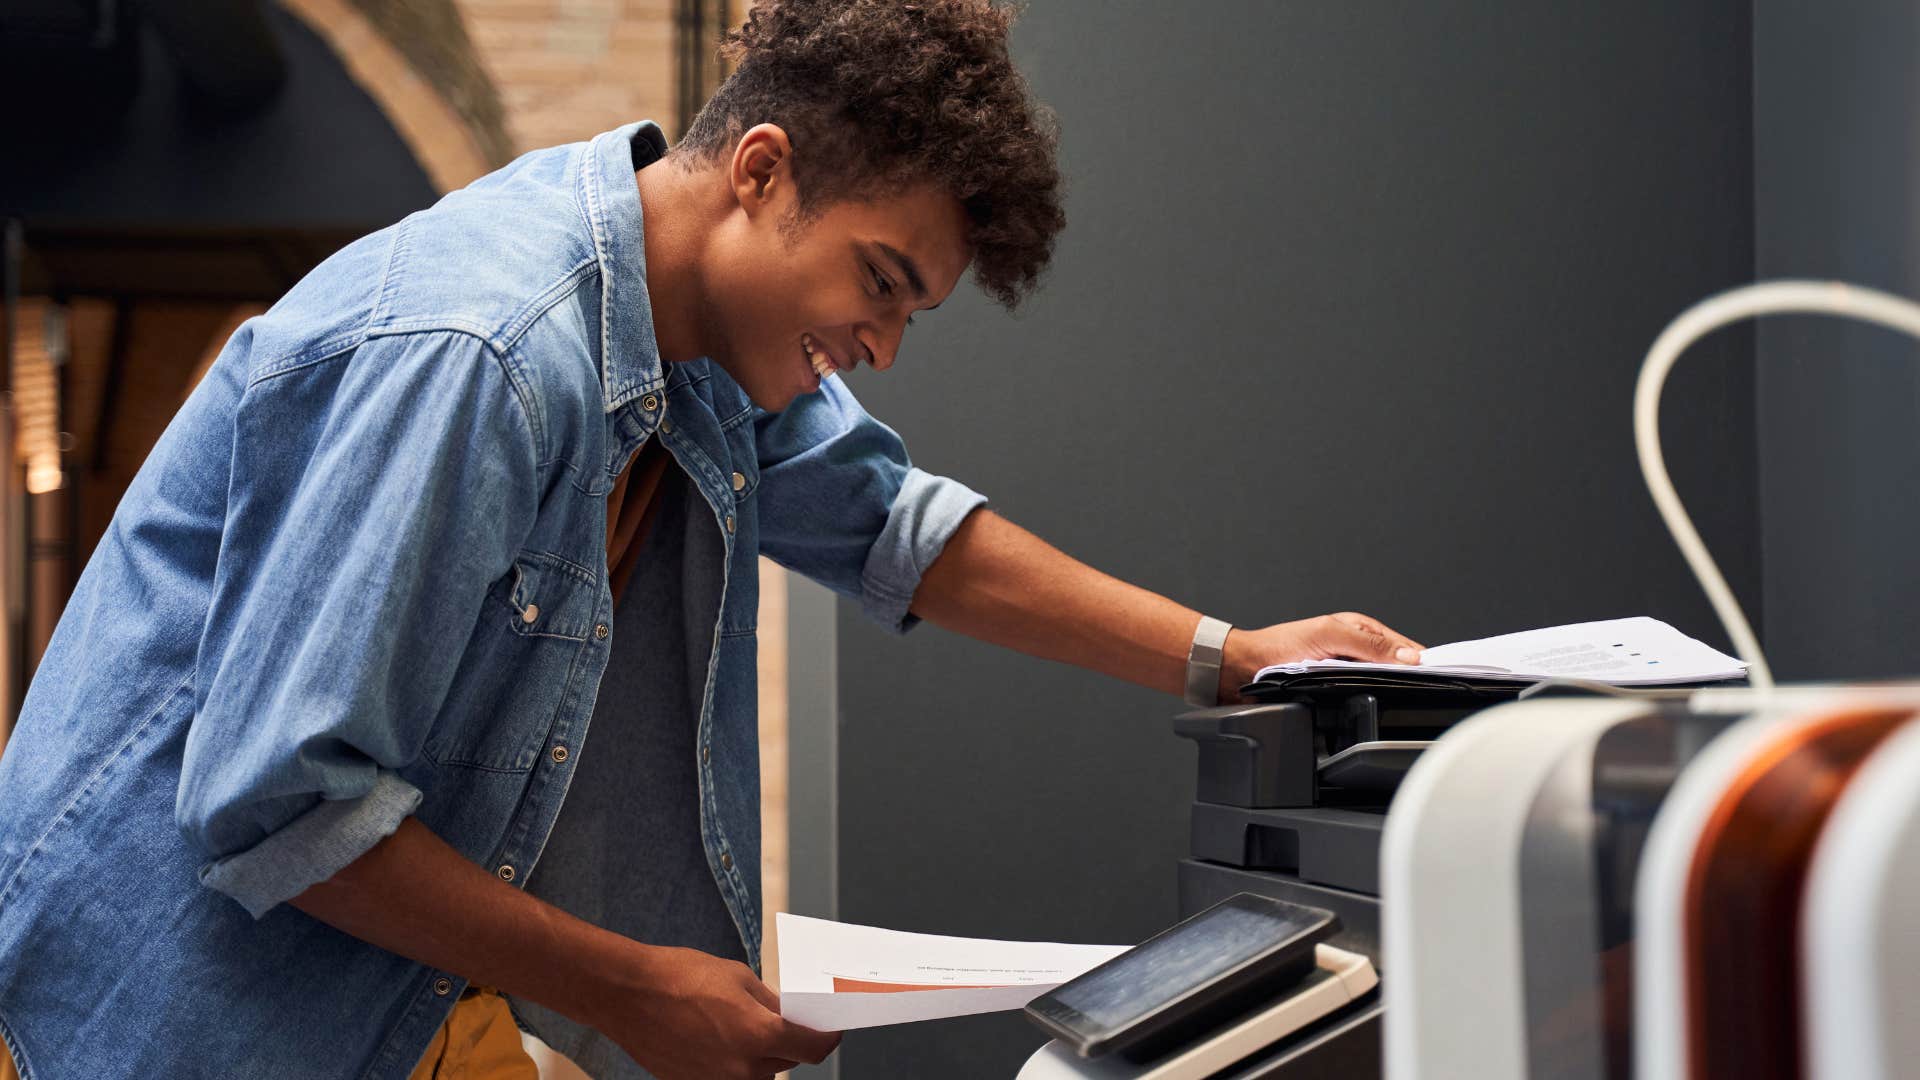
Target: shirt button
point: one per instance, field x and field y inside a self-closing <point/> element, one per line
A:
<point x="739" y="481"/>
<point x="706" y="753"/>
<point x="666" y="427"/>
<point x="505" y="872"/>
<point x="530" y="613"/>
<point x="559" y="754"/>
<point x="726" y="861"/>
<point x="443" y="986"/>
<point x="650" y="403"/>
<point x="729" y="524"/>
<point x="600" y="631"/>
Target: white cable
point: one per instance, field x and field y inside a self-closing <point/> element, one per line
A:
<point x="1748" y="301"/>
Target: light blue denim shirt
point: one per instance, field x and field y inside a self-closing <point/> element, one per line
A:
<point x="363" y="576"/>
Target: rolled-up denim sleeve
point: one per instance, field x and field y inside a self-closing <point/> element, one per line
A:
<point x="374" y="497"/>
<point x="842" y="504"/>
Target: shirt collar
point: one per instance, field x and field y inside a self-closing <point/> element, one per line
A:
<point x="629" y="352"/>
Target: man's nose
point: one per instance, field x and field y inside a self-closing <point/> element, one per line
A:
<point x="883" y="342"/>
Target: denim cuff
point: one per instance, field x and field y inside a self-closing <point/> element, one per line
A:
<point x="924" y="515"/>
<point x="312" y="847"/>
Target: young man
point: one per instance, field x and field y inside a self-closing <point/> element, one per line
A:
<point x="305" y="783"/>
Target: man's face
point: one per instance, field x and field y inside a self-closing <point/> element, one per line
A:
<point x="843" y="282"/>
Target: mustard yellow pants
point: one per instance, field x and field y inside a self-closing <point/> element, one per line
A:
<point x="478" y="1042"/>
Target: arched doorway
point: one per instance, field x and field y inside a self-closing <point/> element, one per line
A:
<point x="174" y="179"/>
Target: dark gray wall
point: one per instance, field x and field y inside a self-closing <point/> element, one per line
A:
<point x="1347" y="316"/>
<point x="1837" y="122"/>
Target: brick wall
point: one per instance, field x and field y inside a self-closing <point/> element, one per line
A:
<point x="566" y="69"/>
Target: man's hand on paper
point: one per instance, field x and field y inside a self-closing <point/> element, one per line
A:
<point x="1637" y="651"/>
<point x="1346" y="635"/>
<point x="698" y="1017"/>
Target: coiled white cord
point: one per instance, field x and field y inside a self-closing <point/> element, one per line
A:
<point x="1746" y="302"/>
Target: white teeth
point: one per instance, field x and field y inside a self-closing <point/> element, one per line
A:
<point x="822" y="366"/>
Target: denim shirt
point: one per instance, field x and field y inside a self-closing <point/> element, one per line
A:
<point x="362" y="576"/>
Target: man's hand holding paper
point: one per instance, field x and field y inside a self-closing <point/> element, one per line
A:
<point x="1346" y="635"/>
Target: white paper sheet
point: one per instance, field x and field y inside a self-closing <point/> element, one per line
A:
<point x="838" y="976"/>
<point x="1625" y="652"/>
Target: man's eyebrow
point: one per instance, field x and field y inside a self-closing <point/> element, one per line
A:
<point x="913" y="272"/>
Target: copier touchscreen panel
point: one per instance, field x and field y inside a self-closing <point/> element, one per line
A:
<point x="1182" y="971"/>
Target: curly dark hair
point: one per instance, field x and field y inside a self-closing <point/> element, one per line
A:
<point x="877" y="95"/>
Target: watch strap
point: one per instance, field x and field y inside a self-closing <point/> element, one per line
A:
<point x="1203" y="661"/>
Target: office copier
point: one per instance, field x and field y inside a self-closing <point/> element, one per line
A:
<point x="1291" y="802"/>
<point x="1292" y="796"/>
<point x="1676" y="884"/>
<point x="1666" y="884"/>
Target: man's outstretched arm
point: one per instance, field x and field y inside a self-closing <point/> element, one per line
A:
<point x="681" y="1013"/>
<point x="1000" y="583"/>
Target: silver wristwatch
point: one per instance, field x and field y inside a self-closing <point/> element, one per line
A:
<point x="1203" y="661"/>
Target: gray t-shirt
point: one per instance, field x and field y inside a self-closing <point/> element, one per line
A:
<point x="641" y="825"/>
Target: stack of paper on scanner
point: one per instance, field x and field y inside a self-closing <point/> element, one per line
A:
<point x="1621" y="652"/>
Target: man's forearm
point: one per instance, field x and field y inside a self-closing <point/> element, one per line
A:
<point x="1000" y="583"/>
<point x="679" y="1012"/>
<point x="414" y="895"/>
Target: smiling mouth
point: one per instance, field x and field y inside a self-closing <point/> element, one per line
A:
<point x="822" y="364"/>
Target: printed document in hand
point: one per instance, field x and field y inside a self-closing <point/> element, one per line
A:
<point x="1625" y="652"/>
<point x="836" y="976"/>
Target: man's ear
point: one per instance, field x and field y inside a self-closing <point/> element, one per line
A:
<point x="762" y="169"/>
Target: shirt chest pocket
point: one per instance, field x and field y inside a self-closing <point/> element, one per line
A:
<point x="514" y="676"/>
<point x="551" y="597"/>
